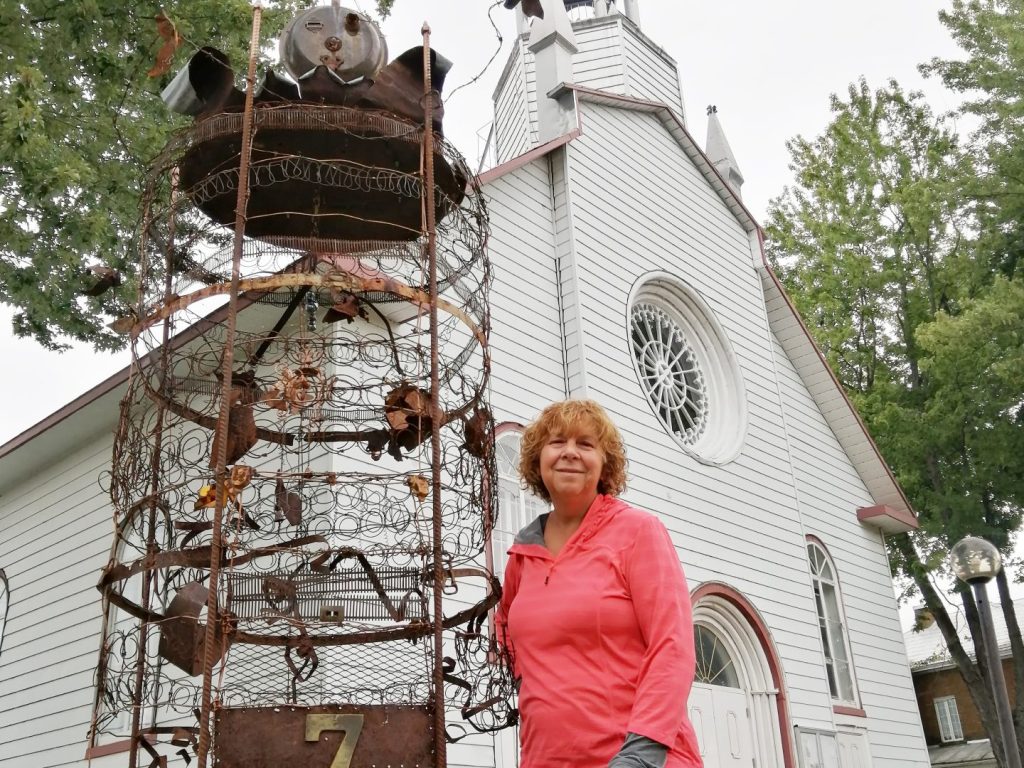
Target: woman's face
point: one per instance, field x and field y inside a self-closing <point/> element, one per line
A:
<point x="571" y="464"/>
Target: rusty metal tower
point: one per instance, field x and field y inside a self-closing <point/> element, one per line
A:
<point x="302" y="480"/>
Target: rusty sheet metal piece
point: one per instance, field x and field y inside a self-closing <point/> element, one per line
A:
<point x="324" y="737"/>
<point x="182" y="634"/>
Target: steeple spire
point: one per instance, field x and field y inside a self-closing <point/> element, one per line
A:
<point x="720" y="153"/>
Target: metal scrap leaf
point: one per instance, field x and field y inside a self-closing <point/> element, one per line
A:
<point x="419" y="486"/>
<point x="287" y="503"/>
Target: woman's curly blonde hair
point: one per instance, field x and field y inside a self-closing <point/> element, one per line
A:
<point x="567" y="418"/>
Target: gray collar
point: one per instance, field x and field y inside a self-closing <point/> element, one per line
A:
<point x="534" y="532"/>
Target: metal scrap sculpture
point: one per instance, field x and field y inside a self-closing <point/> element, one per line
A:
<point x="301" y="489"/>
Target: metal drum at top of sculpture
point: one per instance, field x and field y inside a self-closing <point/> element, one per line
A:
<point x="336" y="152"/>
<point x="319" y="171"/>
<point x="346" y="42"/>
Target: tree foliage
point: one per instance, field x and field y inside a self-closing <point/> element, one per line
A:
<point x="899" y="246"/>
<point x="80" y="121"/>
<point x="989" y="78"/>
<point x="874" y="213"/>
<point x="876" y="243"/>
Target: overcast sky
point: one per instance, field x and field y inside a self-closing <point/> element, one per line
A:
<point x="769" y="68"/>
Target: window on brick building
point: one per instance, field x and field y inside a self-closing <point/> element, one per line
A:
<point x="949" y="719"/>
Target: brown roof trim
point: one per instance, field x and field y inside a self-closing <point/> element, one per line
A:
<point x="673" y="122"/>
<point x="887" y="518"/>
<point x="527" y="157"/>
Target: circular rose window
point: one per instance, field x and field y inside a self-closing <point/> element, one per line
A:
<point x="669" y="371"/>
<point x="687" y="370"/>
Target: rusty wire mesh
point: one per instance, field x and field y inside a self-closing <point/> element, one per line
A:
<point x="326" y="582"/>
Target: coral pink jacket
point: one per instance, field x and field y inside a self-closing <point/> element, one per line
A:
<point x="601" y="637"/>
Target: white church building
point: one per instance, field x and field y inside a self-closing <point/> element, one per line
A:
<point x="627" y="270"/>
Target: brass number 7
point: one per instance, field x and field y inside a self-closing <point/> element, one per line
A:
<point x="350" y="724"/>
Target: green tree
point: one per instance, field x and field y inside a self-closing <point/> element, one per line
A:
<point x="877" y="244"/>
<point x="974" y="421"/>
<point x="991" y="32"/>
<point x="989" y="77"/>
<point x="80" y="121"/>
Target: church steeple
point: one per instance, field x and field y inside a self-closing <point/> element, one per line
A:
<point x="531" y="108"/>
<point x="720" y="153"/>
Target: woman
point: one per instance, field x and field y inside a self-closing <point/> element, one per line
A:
<point x="595" y="612"/>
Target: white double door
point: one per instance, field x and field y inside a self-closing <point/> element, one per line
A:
<point x="720" y="717"/>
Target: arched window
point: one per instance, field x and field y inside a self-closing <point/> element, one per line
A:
<point x="5" y="602"/>
<point x="715" y="665"/>
<point x="517" y="507"/>
<point x="834" y="642"/>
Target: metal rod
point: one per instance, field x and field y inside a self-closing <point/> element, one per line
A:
<point x="430" y="226"/>
<point x="125" y="409"/>
<point x="995" y="675"/>
<point x="154" y="487"/>
<point x="227" y="368"/>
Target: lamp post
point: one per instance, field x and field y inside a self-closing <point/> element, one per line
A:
<point x="975" y="561"/>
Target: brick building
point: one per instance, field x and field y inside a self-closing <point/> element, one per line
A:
<point x="952" y="725"/>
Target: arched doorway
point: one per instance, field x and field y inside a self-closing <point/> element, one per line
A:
<point x="737" y="705"/>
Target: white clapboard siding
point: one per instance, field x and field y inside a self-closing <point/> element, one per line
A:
<point x="512" y="125"/>
<point x="526" y="336"/>
<point x="571" y="311"/>
<point x="651" y="73"/>
<point x="599" y="62"/>
<point x="830" y="494"/>
<point x="641" y="206"/>
<point x="56" y="538"/>
<point x="613" y="56"/>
